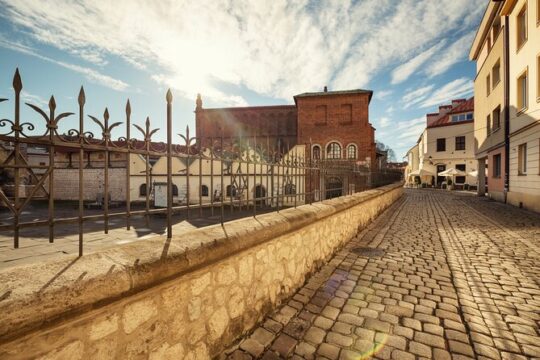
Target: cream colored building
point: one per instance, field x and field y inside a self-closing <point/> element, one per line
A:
<point x="489" y="107"/>
<point x="446" y="142"/>
<point x="524" y="84"/>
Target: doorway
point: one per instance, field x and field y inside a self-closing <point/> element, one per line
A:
<point x="260" y="194"/>
<point x="440" y="179"/>
<point x="334" y="187"/>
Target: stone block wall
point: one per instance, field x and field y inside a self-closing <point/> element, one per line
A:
<point x="186" y="298"/>
<point x="66" y="183"/>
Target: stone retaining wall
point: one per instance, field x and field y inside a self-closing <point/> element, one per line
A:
<point x="185" y="299"/>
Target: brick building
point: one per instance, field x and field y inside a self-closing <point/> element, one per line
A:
<point x="334" y="123"/>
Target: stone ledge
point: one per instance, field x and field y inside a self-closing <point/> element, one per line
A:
<point x="37" y="295"/>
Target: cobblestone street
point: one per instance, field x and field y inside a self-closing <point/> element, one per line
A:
<point x="439" y="275"/>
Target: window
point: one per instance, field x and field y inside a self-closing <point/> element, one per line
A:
<point x="537" y="12"/>
<point x="522" y="159"/>
<point x="538" y="74"/>
<point x="460" y="142"/>
<point x="496" y="73"/>
<point x="230" y="191"/>
<point x="290" y="189"/>
<point x="441" y="144"/>
<point x="316" y="152"/>
<point x="488" y="85"/>
<point x="496" y="116"/>
<point x="497" y="166"/>
<point x="142" y="190"/>
<point x="522" y="27"/>
<point x="333" y="151"/>
<point x="496" y="27"/>
<point x="351" y="151"/>
<point x="488" y="124"/>
<point x="174" y="190"/>
<point x="204" y="190"/>
<point x="462" y="117"/>
<point x="522" y="91"/>
<point x="489" y="42"/>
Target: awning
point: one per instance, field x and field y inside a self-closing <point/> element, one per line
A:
<point x="421" y="172"/>
<point x="452" y="172"/>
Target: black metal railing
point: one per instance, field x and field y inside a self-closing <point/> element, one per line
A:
<point x="226" y="175"/>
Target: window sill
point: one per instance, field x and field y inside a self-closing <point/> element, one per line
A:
<point x="522" y="111"/>
<point x="521" y="45"/>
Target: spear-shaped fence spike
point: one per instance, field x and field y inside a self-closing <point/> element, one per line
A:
<point x="128" y="108"/>
<point x="106" y="114"/>
<point x="52" y="103"/>
<point x="82" y="97"/>
<point x="17" y="82"/>
<point x="169" y="96"/>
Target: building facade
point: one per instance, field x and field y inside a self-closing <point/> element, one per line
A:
<point x="335" y="125"/>
<point x="446" y="142"/>
<point x="507" y="88"/>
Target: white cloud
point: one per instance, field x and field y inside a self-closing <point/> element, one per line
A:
<point x="275" y="48"/>
<point x="411" y="129"/>
<point x="456" y="89"/>
<point x="382" y="94"/>
<point x="404" y="71"/>
<point x="414" y="97"/>
<point x="384" y="122"/>
<point x="452" y="55"/>
<point x="90" y="74"/>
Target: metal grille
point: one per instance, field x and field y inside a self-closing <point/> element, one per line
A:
<point x="224" y="175"/>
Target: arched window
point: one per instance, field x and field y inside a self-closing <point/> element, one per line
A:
<point x="142" y="190"/>
<point x="230" y="191"/>
<point x="204" y="190"/>
<point x="351" y="151"/>
<point x="316" y="152"/>
<point x="333" y="151"/>
<point x="174" y="190"/>
<point x="290" y="189"/>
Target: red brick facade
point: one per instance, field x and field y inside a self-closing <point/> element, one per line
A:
<point x="320" y="118"/>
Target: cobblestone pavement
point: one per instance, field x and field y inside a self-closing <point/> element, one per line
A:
<point x="439" y="275"/>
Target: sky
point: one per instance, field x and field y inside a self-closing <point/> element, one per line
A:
<point x="412" y="53"/>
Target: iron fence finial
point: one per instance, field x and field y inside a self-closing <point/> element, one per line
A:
<point x="169" y="96"/>
<point x="82" y="97"/>
<point x="52" y="104"/>
<point x="17" y="82"/>
<point x="128" y="108"/>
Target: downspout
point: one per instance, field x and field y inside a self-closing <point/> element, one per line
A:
<point x="506" y="108"/>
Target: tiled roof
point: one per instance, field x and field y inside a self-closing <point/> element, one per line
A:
<point x="445" y="119"/>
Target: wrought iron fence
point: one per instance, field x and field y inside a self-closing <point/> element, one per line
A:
<point x="147" y="177"/>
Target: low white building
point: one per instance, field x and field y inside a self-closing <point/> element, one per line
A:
<point x="446" y="142"/>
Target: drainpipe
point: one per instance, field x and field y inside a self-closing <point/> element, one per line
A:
<point x="506" y="108"/>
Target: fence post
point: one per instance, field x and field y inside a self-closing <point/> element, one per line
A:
<point x="169" y="164"/>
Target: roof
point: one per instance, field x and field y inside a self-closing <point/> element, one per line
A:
<point x="483" y="29"/>
<point x="244" y="108"/>
<point x="444" y="119"/>
<point x="337" y="92"/>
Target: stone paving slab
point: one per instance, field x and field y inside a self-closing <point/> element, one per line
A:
<point x="439" y="275"/>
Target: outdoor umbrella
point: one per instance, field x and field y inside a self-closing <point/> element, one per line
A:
<point x="451" y="172"/>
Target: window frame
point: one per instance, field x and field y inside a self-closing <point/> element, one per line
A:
<point x="497" y="166"/>
<point x="334" y="155"/>
<point x="488" y="84"/>
<point x="522" y="159"/>
<point x="488" y="124"/>
<point x="522" y="12"/>
<point x="525" y="97"/>
<point x="355" y="150"/>
<point x="318" y="148"/>
<point x="497" y="111"/>
<point x="464" y="143"/>
<point x="498" y="66"/>
<point x="443" y="142"/>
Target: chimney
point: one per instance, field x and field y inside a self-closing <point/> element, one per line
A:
<point x="431" y="118"/>
<point x="198" y="102"/>
<point x="456" y="102"/>
<point x="325" y="89"/>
